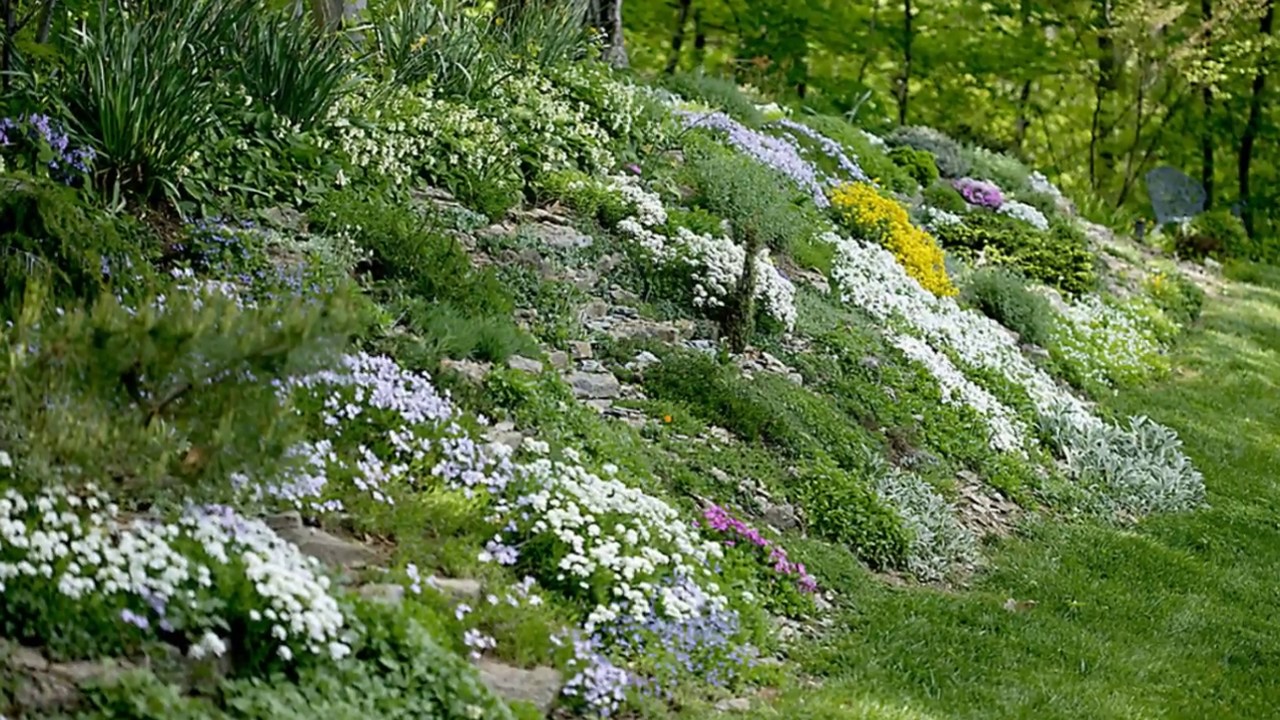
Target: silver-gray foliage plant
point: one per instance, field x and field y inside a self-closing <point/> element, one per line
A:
<point x="938" y="541"/>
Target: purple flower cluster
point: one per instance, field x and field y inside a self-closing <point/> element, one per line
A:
<point x="720" y="520"/>
<point x="600" y="686"/>
<point x="68" y="161"/>
<point x="980" y="193"/>
<point x="831" y="148"/>
<point x="382" y="422"/>
<point x="774" y="152"/>
<point x="704" y="647"/>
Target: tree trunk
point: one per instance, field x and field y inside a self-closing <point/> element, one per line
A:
<point x="904" y="82"/>
<point x="740" y="315"/>
<point x="1207" y="169"/>
<point x="699" y="39"/>
<point x="677" y="38"/>
<point x="606" y="17"/>
<point x="6" y="53"/>
<point x="1250" y="135"/>
<point x="1020" y="127"/>
<point x="1108" y="82"/>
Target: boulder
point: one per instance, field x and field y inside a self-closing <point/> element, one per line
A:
<point x="329" y="549"/>
<point x="595" y="385"/>
<point x="539" y="687"/>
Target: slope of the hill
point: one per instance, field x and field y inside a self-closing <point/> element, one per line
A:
<point x="1172" y="618"/>
<point x="437" y="377"/>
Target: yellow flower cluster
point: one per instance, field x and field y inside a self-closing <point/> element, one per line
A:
<point x="874" y="217"/>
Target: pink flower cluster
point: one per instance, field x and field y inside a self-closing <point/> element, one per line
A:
<point x="719" y="519"/>
<point x="980" y="193"/>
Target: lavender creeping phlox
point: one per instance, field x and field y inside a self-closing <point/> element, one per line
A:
<point x="385" y="427"/>
<point x="774" y="152"/>
<point x="831" y="148"/>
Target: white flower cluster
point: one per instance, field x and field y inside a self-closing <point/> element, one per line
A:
<point x="1041" y="184"/>
<point x="544" y="117"/>
<point x="404" y="133"/>
<point x="871" y="278"/>
<point x="600" y="527"/>
<point x="78" y="546"/>
<point x="1103" y="342"/>
<point x="932" y="218"/>
<point x="1007" y="432"/>
<point x="717" y="262"/>
<point x="1026" y="213"/>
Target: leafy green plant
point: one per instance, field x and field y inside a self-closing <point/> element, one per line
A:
<point x="919" y="164"/>
<point x="1003" y="296"/>
<point x="1217" y="233"/>
<point x="141" y="86"/>
<point x="717" y="92"/>
<point x="1003" y="170"/>
<point x="844" y="508"/>
<point x="289" y="66"/>
<point x="944" y="196"/>
<point x="947" y="153"/>
<point x="1178" y="296"/>
<point x="417" y="42"/>
<point x="874" y="160"/>
<point x="1059" y="256"/>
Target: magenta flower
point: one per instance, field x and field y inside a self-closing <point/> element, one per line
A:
<point x="718" y="519"/>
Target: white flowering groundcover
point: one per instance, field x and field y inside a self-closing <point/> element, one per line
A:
<point x="1154" y="475"/>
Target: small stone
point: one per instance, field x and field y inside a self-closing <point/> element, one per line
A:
<point x="287" y="520"/>
<point x="458" y="588"/>
<point x="595" y="385"/>
<point x="25" y="658"/>
<point x="871" y="362"/>
<point x="83" y="671"/>
<point x="781" y="517"/>
<point x="593" y="366"/>
<point x="385" y="593"/>
<point x="1212" y="264"/>
<point x="328" y="549"/>
<point x="524" y="364"/>
<point x="738" y="705"/>
<point x="539" y="687"/>
<point x="596" y="309"/>
<point x="561" y="236"/>
<point x="581" y="350"/>
<point x="796" y="378"/>
<point x="720" y="475"/>
<point x="626" y="297"/>
<point x="468" y="369"/>
<point x="559" y="359"/>
<point x="643" y="360"/>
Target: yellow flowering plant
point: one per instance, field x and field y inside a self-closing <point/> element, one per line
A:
<point x="872" y="216"/>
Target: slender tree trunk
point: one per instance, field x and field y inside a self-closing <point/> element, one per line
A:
<point x="740" y="319"/>
<point x="677" y="38"/>
<point x="904" y="82"/>
<point x="606" y="16"/>
<point x="6" y="53"/>
<point x="1207" y="169"/>
<point x="1020" y="127"/>
<point x="699" y="39"/>
<point x="1108" y="82"/>
<point x="1251" y="127"/>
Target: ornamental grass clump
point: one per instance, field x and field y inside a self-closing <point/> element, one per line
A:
<point x="865" y="211"/>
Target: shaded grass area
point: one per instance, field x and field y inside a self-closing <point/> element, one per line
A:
<point x="1173" y="618"/>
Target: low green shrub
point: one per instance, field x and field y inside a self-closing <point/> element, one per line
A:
<point x="1180" y="298"/>
<point x="843" y="507"/>
<point x="1007" y="172"/>
<point x="717" y="92"/>
<point x="944" y="196"/>
<point x="919" y="164"/>
<point x="1003" y="296"/>
<point x="1217" y="233"/>
<point x="950" y="157"/>
<point x="873" y="160"/>
<point x="1059" y="257"/>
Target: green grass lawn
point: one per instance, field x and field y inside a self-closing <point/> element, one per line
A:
<point x="1176" y="618"/>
